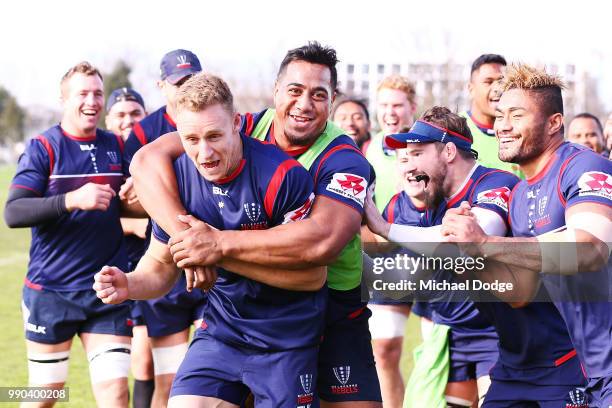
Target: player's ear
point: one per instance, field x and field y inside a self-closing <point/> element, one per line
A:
<point x="555" y="123"/>
<point x="237" y="122"/>
<point x="450" y="151"/>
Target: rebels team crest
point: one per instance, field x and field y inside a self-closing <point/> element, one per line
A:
<point x="182" y="62"/>
<point x="343" y="374"/>
<point x="253" y="211"/>
<point x="496" y="196"/>
<point x="578" y="398"/>
<point x="305" y="400"/>
<point x="349" y="186"/>
<point x="595" y="183"/>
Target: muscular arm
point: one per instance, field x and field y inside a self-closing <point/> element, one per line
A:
<point x="316" y="240"/>
<point x="308" y="279"/>
<point x="154" y="275"/>
<point x="155" y="180"/>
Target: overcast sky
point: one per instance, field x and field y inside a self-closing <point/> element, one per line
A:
<point x="41" y="39"/>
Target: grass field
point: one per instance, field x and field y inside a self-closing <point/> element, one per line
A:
<point x="14" y="246"/>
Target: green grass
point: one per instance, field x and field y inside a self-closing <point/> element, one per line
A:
<point x="14" y="247"/>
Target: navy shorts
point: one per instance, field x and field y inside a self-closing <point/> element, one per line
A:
<point x="213" y="368"/>
<point x="52" y="317"/>
<point x="136" y="313"/>
<point x="174" y="312"/>
<point x="505" y="394"/>
<point x="346" y="362"/>
<point x="547" y="387"/>
<point x="471" y="356"/>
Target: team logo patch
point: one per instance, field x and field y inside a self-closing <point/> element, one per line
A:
<point x="113" y="156"/>
<point x="182" y="62"/>
<point x="595" y="183"/>
<point x="253" y="211"/>
<point x="578" y="398"/>
<point x="349" y="186"/>
<point x="305" y="400"/>
<point x="299" y="213"/>
<point x="343" y="375"/>
<point x="496" y="196"/>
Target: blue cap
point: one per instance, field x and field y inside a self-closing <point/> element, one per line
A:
<point x="178" y="64"/>
<point x="425" y="132"/>
<point x="123" y="94"/>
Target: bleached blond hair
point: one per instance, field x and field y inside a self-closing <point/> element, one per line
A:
<point x="547" y="87"/>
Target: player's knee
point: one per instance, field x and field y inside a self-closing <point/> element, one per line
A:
<point x="166" y="360"/>
<point x="109" y="361"/>
<point x="387" y="352"/>
<point x="48" y="368"/>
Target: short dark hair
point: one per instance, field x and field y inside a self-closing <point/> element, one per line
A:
<point x="586" y="115"/>
<point x="487" y="59"/>
<point x="443" y="117"/>
<point x="360" y="102"/>
<point x="314" y="53"/>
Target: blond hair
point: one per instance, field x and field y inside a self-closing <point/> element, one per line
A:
<point x="545" y="87"/>
<point x="399" y="83"/>
<point x="84" y="68"/>
<point x="526" y="77"/>
<point x="203" y="90"/>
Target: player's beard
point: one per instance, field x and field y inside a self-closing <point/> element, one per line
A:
<point x="435" y="187"/>
<point x="532" y="144"/>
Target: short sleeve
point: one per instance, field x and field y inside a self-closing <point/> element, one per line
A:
<point x="135" y="141"/>
<point x="493" y="192"/>
<point x="587" y="177"/>
<point x="391" y="210"/>
<point x="289" y="195"/>
<point x="34" y="167"/>
<point x="344" y="176"/>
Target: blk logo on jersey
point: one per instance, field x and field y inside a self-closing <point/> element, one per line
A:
<point x="219" y="191"/>
<point x="496" y="196"/>
<point x="343" y="375"/>
<point x="299" y="213"/>
<point x="305" y="400"/>
<point x="595" y="183"/>
<point x="349" y="186"/>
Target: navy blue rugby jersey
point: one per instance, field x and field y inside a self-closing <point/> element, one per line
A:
<point x="530" y="337"/>
<point x="67" y="252"/>
<point x="267" y="189"/>
<point x="486" y="188"/>
<point x="340" y="172"/>
<point x="154" y="125"/>
<point x="573" y="175"/>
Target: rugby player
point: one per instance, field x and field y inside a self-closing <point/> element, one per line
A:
<point x="585" y="129"/>
<point x="66" y="189"/>
<point x="253" y="335"/>
<point x="531" y="369"/>
<point x="167" y="319"/>
<point x="303" y="95"/>
<point x="124" y="108"/>
<point x="562" y="207"/>
<point x="395" y="108"/>
<point x="352" y="115"/>
<point x="486" y="71"/>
